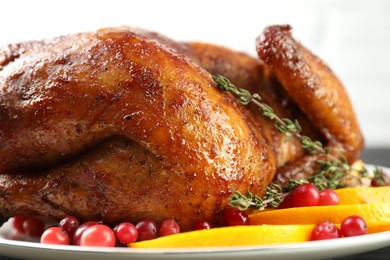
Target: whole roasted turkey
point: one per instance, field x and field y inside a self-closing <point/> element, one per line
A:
<point x="124" y="124"/>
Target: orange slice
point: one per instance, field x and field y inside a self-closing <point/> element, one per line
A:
<point x="232" y="236"/>
<point x="375" y="215"/>
<point x="363" y="195"/>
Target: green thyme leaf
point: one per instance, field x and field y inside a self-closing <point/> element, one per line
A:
<point x="334" y="172"/>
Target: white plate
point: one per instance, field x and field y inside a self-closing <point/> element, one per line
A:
<point x="308" y="250"/>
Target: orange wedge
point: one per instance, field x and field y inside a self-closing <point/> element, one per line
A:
<point x="232" y="236"/>
<point x="377" y="216"/>
<point x="363" y="195"/>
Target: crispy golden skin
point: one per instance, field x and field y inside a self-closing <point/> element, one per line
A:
<point x="252" y="74"/>
<point x="115" y="126"/>
<point x="125" y="124"/>
<point x="319" y="94"/>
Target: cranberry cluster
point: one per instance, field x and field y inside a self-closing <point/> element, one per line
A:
<point x="94" y="233"/>
<point x="351" y="226"/>
<point x="307" y="195"/>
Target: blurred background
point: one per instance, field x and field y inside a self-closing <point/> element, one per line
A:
<point x="352" y="36"/>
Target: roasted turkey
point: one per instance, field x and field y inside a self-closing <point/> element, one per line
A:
<point x="124" y="124"/>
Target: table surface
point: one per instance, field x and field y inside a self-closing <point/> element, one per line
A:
<point x="377" y="156"/>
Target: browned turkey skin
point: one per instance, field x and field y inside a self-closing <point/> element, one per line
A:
<point x="318" y="93"/>
<point x="125" y="124"/>
<point x="116" y="126"/>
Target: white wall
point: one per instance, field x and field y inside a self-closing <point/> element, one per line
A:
<point x="351" y="36"/>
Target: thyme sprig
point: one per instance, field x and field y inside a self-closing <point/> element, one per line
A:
<point x="333" y="173"/>
<point x="284" y="125"/>
<point x="274" y="195"/>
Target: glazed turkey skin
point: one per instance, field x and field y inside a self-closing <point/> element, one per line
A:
<point x="119" y="125"/>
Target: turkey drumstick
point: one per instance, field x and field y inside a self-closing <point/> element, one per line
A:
<point x="319" y="94"/>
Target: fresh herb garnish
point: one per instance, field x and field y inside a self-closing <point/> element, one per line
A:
<point x="274" y="195"/>
<point x="333" y="173"/>
<point x="284" y="125"/>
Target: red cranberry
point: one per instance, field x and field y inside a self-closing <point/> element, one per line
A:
<point x="17" y="223"/>
<point x="98" y="235"/>
<point x="168" y="227"/>
<point x="79" y="231"/>
<point x="353" y="226"/>
<point x="69" y="224"/>
<point x="287" y="202"/>
<point x="199" y="225"/>
<point x="33" y="226"/>
<point x="325" y="230"/>
<point x="126" y="232"/>
<point x="147" y="229"/>
<point x="234" y="217"/>
<point x="55" y="235"/>
<point x="328" y="197"/>
<point x="305" y="195"/>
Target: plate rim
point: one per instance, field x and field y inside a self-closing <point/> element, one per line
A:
<point x="288" y="246"/>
